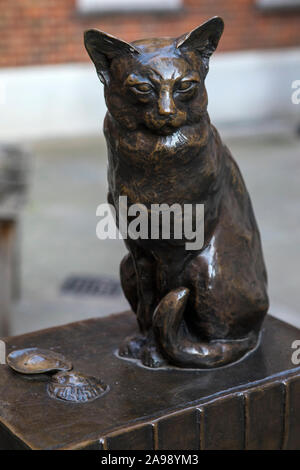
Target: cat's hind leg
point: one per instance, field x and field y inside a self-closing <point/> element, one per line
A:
<point x="184" y="350"/>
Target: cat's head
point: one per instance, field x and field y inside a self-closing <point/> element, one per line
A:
<point x="156" y="84"/>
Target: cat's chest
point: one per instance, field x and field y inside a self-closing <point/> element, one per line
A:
<point x="145" y="151"/>
<point x="155" y="169"/>
<point x="141" y="150"/>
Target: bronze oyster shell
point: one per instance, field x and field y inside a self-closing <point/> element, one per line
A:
<point x="37" y="361"/>
<point x="75" y="387"/>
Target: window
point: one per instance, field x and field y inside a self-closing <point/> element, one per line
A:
<point x="93" y="6"/>
<point x="278" y="4"/>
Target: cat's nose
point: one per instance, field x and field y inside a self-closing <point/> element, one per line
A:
<point x="166" y="105"/>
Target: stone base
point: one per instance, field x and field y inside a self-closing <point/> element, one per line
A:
<point x="253" y="404"/>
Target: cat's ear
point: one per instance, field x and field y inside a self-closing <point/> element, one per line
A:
<point x="204" y="39"/>
<point x="102" y="48"/>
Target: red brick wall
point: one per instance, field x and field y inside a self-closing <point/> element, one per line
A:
<point x="50" y="31"/>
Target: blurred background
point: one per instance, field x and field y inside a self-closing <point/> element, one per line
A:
<point x="53" y="269"/>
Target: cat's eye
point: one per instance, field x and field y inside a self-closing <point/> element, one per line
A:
<point x="186" y="85"/>
<point x="142" y="87"/>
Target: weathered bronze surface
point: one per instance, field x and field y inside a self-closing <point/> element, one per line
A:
<point x="195" y="309"/>
<point x="37" y="361"/>
<point x="75" y="387"/>
<point x="253" y="404"/>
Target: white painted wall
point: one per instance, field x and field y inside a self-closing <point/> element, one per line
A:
<point x="50" y="101"/>
<point x="254" y="85"/>
<point x="67" y="100"/>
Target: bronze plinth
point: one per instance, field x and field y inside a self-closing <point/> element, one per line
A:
<point x="252" y="404"/>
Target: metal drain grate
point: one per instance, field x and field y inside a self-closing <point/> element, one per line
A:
<point x="91" y="285"/>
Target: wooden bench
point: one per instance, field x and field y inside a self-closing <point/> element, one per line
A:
<point x="13" y="184"/>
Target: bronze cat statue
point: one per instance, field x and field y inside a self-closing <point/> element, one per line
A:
<point x="195" y="308"/>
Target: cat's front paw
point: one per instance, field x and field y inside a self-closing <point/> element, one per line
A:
<point x="132" y="347"/>
<point x="151" y="357"/>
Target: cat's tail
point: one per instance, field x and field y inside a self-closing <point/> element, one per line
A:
<point x="179" y="346"/>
